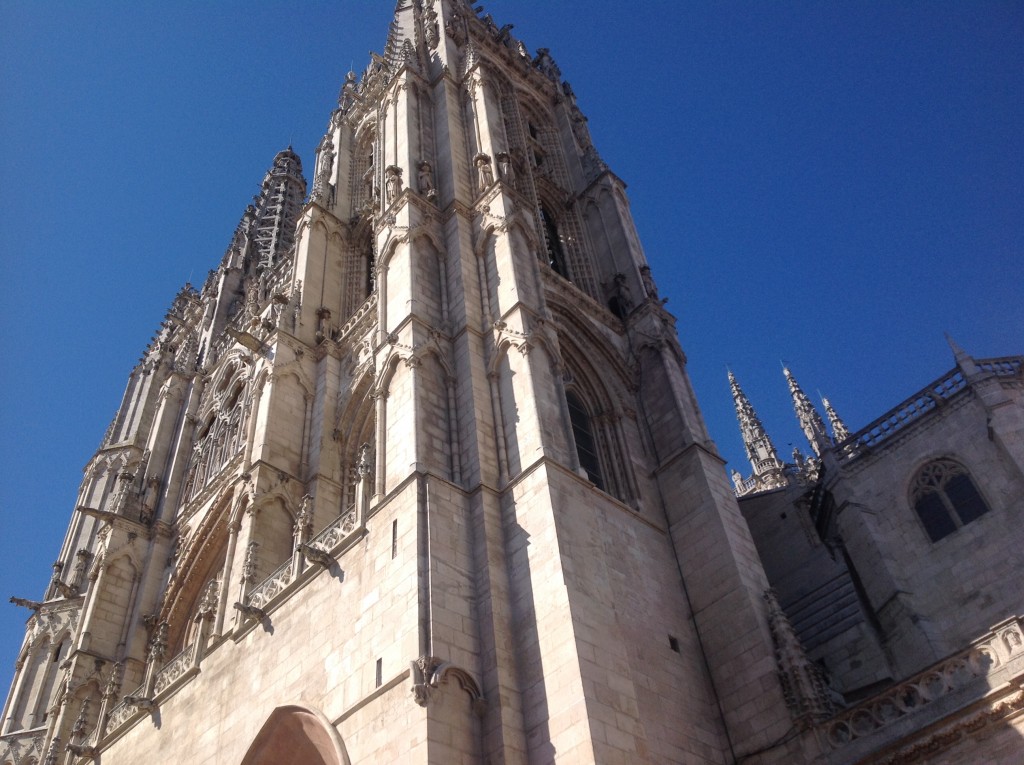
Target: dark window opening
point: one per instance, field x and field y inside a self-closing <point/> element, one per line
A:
<point x="555" y="252"/>
<point x="380" y="673"/>
<point x="945" y="498"/>
<point x="586" y="444"/>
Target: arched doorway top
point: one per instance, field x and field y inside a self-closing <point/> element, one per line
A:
<point x="296" y="734"/>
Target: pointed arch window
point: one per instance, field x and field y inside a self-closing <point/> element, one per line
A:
<point x="945" y="498"/>
<point x="584" y="436"/>
<point x="553" y="243"/>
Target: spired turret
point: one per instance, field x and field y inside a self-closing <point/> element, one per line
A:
<point x="839" y="430"/>
<point x="810" y="421"/>
<point x="769" y="470"/>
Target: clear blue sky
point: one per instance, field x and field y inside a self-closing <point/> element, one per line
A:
<point x="834" y="184"/>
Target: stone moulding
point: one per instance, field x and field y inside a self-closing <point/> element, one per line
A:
<point x="989" y="654"/>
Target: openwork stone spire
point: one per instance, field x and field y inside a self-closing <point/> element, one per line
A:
<point x="277" y="207"/>
<point x="810" y="421"/>
<point x="768" y="468"/>
<point x="839" y="430"/>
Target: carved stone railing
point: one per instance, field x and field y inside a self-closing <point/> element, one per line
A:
<point x="985" y="656"/>
<point x="356" y="319"/>
<point x="123" y="712"/>
<point x="1008" y="366"/>
<point x="336" y="531"/>
<point x="922" y="402"/>
<point x="174" y="669"/>
<point x="270" y="587"/>
<point x="900" y="416"/>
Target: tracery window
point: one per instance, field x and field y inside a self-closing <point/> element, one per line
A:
<point x="584" y="436"/>
<point x="219" y="439"/>
<point x="945" y="498"/>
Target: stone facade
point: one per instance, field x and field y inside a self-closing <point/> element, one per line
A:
<point x="418" y="475"/>
<point x="895" y="554"/>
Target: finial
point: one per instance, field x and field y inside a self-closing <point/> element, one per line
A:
<point x="958" y="352"/>
<point x="963" y="359"/>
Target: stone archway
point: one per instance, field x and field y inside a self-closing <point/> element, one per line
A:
<point x="294" y="735"/>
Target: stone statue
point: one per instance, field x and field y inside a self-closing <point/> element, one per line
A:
<point x="426" y="180"/>
<point x="505" y="169"/>
<point x="322" y="184"/>
<point x="649" y="286"/>
<point x="393" y="182"/>
<point x="484" y="173"/>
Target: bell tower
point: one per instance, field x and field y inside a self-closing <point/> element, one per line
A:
<point x="424" y="449"/>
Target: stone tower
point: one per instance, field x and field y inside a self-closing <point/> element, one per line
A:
<point x="418" y="474"/>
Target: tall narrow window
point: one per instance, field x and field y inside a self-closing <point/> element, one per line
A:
<point x="945" y="498"/>
<point x="555" y="253"/>
<point x="583" y="434"/>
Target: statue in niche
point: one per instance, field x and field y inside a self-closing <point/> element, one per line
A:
<point x="426" y="180"/>
<point x="484" y="173"/>
<point x="506" y="171"/>
<point x="393" y="182"/>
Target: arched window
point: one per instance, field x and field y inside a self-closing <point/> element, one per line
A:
<point x="553" y="242"/>
<point x="945" y="498"/>
<point x="586" y="443"/>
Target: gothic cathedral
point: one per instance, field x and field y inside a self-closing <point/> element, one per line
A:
<point x="418" y="475"/>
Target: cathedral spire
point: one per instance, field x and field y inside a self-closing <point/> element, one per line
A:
<point x="760" y="450"/>
<point x="839" y="430"/>
<point x="810" y="421"/>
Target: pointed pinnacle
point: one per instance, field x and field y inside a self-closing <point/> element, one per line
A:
<point x="958" y="352"/>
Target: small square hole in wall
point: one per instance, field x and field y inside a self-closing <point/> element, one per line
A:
<point x="380" y="673"/>
<point x="673" y="643"/>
